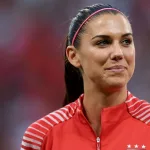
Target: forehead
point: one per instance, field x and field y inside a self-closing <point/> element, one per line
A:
<point x="108" y="24"/>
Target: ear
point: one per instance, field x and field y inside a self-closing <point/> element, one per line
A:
<point x="73" y="56"/>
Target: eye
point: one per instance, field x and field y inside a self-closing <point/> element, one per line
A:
<point x="103" y="43"/>
<point x="126" y="42"/>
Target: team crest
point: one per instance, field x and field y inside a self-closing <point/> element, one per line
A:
<point x="136" y="147"/>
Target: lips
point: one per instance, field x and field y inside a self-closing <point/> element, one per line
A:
<point x="116" y="68"/>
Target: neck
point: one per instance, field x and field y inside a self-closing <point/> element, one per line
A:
<point x="95" y="100"/>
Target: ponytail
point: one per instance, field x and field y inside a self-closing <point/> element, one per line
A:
<point x="73" y="81"/>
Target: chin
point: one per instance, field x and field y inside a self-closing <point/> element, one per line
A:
<point x="116" y="83"/>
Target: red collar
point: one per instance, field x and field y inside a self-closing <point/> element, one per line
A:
<point x="139" y="109"/>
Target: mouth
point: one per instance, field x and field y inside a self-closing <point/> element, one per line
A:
<point x="116" y="68"/>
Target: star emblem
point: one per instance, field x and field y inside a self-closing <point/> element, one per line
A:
<point x="143" y="146"/>
<point x="136" y="147"/>
<point x="129" y="146"/>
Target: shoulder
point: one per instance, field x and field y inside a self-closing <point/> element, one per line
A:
<point x="139" y="109"/>
<point x="35" y="135"/>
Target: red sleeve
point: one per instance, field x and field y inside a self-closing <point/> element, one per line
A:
<point x="35" y="136"/>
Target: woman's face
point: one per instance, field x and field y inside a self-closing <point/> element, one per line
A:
<point x="106" y="52"/>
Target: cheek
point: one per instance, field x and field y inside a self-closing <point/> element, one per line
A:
<point x="94" y="56"/>
<point x="93" y="61"/>
<point x="130" y="57"/>
<point x="100" y="56"/>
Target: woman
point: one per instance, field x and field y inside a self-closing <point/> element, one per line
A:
<point x="99" y="62"/>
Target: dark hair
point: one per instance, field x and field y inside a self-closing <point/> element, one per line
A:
<point x="73" y="76"/>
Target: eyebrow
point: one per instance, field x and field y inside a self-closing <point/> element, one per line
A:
<point x="107" y="36"/>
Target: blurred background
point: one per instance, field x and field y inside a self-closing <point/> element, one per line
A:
<point x="32" y="37"/>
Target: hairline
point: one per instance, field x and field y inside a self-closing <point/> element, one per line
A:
<point x="105" y="12"/>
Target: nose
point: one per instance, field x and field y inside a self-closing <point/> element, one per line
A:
<point x="117" y="53"/>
